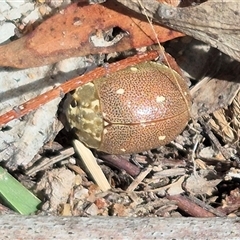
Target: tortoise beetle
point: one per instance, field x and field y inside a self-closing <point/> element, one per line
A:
<point x="132" y="110"/>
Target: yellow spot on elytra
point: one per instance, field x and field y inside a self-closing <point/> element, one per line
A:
<point x="120" y="91"/>
<point x="161" y="138"/>
<point x="105" y="131"/>
<point x="123" y="150"/>
<point x="134" y="69"/>
<point x="105" y="124"/>
<point x="160" y="99"/>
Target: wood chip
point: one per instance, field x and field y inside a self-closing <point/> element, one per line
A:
<point x="91" y="164"/>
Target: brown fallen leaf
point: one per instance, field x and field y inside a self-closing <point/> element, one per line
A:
<point x="79" y="30"/>
<point x="214" y="22"/>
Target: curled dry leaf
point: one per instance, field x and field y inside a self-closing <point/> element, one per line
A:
<point x="83" y="29"/>
<point x="213" y="22"/>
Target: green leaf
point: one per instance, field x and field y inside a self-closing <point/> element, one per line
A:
<point x="15" y="195"/>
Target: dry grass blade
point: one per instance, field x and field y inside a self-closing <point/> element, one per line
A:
<point x="91" y="165"/>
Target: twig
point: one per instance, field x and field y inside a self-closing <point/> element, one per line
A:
<point x="47" y="162"/>
<point x="121" y="163"/>
<point x="190" y="207"/>
<point x="139" y="179"/>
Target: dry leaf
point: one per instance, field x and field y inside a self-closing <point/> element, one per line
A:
<point x="203" y="183"/>
<point x="212" y="94"/>
<point x="214" y="22"/>
<point x="83" y="29"/>
<point x="176" y="187"/>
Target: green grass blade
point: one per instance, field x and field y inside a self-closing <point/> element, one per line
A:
<point x="15" y="195"/>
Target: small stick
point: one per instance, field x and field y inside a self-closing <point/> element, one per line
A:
<point x="213" y="138"/>
<point x="139" y="179"/>
<point x="121" y="163"/>
<point x="188" y="206"/>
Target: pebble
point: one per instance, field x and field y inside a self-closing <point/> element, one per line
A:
<point x="12" y="14"/>
<point x="4" y="7"/>
<point x="206" y="152"/>
<point x="32" y="17"/>
<point x="15" y="4"/>
<point x="7" y="31"/>
<point x="12" y="10"/>
<point x="92" y="210"/>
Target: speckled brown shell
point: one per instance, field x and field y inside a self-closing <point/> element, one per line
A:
<point x="141" y="107"/>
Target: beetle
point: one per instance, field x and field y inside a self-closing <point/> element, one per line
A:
<point x="132" y="110"/>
